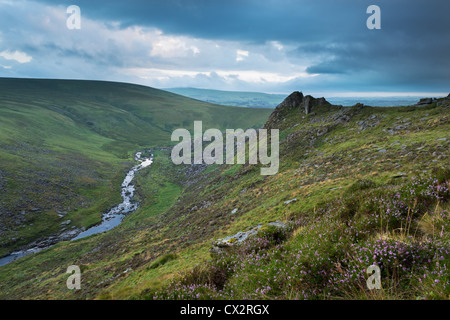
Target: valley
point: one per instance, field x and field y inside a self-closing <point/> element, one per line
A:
<point x="65" y="147"/>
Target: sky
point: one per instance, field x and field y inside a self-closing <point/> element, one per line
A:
<point x="318" y="46"/>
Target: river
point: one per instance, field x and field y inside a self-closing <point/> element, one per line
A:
<point x="110" y="220"/>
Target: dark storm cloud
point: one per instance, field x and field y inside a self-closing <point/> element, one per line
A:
<point x="248" y="20"/>
<point x="326" y="37"/>
<point x="257" y="20"/>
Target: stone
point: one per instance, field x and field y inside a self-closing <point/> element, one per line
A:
<point x="293" y="101"/>
<point x="425" y="101"/>
<point x="399" y="175"/>
<point x="289" y="201"/>
<point x="306" y="105"/>
<point x="65" y="223"/>
<point x="241" y="236"/>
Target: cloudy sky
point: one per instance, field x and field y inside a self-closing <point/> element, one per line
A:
<point x="315" y="46"/>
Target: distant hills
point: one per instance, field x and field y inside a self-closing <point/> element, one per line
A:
<point x="264" y="100"/>
<point x="232" y="98"/>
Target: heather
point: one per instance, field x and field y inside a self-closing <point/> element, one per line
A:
<point x="357" y="187"/>
<point x="324" y="254"/>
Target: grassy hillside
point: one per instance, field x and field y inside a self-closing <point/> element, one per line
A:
<point x="356" y="186"/>
<point x="65" y="147"/>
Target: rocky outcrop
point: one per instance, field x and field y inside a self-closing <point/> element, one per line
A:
<point x="293" y="101"/>
<point x="444" y="101"/>
<point x="427" y="101"/>
<point x="307" y="105"/>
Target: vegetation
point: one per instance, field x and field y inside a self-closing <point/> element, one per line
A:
<point x="65" y="147"/>
<point x="357" y="186"/>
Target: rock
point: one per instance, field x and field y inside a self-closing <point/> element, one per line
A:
<point x="306" y="105"/>
<point x="65" y="223"/>
<point x="341" y="117"/>
<point x="399" y="175"/>
<point x="241" y="236"/>
<point x="322" y="131"/>
<point x="68" y="235"/>
<point x="425" y="101"/>
<point x="293" y="101"/>
<point x="289" y="201"/>
<point x="310" y="103"/>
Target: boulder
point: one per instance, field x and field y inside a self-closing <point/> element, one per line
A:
<point x="306" y="104"/>
<point x="241" y="236"/>
<point x="65" y="223"/>
<point x="425" y="101"/>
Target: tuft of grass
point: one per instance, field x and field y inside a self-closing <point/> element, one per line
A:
<point x="163" y="260"/>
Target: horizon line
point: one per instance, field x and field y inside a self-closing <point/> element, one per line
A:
<point x="327" y="94"/>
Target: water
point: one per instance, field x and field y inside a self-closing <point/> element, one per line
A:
<point x="115" y="216"/>
<point x="110" y="220"/>
<point x="18" y="254"/>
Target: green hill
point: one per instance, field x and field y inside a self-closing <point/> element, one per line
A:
<point x="357" y="186"/>
<point x="65" y="146"/>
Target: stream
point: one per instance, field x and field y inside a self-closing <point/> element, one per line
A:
<point x="110" y="220"/>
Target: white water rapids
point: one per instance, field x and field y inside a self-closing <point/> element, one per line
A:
<point x="115" y="216"/>
<point x="110" y="219"/>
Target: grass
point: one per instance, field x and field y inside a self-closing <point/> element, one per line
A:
<point x="351" y="206"/>
<point x="66" y="145"/>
